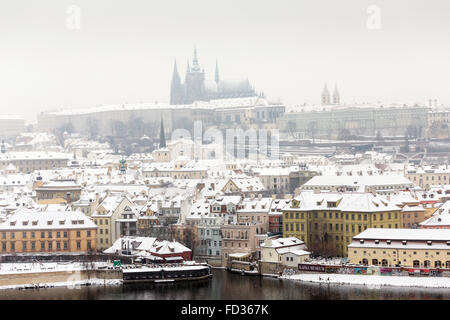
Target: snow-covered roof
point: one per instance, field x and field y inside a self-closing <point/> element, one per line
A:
<point x="404" y="234"/>
<point x="26" y="219"/>
<point x="412" y="208"/>
<point x="281" y="243"/>
<point x="359" y="181"/>
<point x="345" y="201"/>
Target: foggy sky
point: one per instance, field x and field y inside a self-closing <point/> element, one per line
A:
<point x="124" y="50"/>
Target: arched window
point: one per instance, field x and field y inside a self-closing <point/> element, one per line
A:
<point x="366" y="262"/>
<point x="384" y="262"/>
<point x="416" y="263"/>
<point x="437" y="264"/>
<point x="375" y="262"/>
<point x="427" y="263"/>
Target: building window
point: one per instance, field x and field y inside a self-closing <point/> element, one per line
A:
<point x="78" y="244"/>
<point x="24" y="235"/>
<point x="78" y="234"/>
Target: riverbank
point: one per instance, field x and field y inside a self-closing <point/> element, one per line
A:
<point x="372" y="281"/>
<point x="68" y="284"/>
<point x="42" y="275"/>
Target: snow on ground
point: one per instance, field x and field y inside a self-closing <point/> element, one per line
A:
<point x="69" y="284"/>
<point x="13" y="268"/>
<point x="371" y="281"/>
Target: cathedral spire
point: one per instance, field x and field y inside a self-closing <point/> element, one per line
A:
<point x="175" y="75"/>
<point x="325" y="95"/>
<point x="336" y="96"/>
<point x="195" y="65"/>
<point x="195" y="59"/>
<point x="176" y="90"/>
<point x="217" y="72"/>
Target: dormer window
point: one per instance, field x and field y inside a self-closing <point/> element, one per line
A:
<point x="404" y="242"/>
<point x="49" y="222"/>
<point x="361" y="241"/>
<point x="331" y="204"/>
<point x="24" y="223"/>
<point x="429" y="243"/>
<point x="388" y="241"/>
<point x="12" y="223"/>
<point x="34" y="223"/>
<point x="377" y="241"/>
<point x="62" y="222"/>
<point x="74" y="221"/>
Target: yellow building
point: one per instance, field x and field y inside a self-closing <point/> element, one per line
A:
<point x="105" y="216"/>
<point x="428" y="176"/>
<point x="420" y="248"/>
<point x="327" y="221"/>
<point x="47" y="232"/>
<point x="58" y="192"/>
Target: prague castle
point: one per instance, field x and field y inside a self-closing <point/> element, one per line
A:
<point x="197" y="88"/>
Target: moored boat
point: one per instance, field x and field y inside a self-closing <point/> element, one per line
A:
<point x="167" y="273"/>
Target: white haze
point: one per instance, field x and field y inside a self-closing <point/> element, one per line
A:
<point x="124" y="51"/>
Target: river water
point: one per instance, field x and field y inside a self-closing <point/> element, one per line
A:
<point x="230" y="286"/>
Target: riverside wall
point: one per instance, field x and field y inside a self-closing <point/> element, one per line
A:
<point x="33" y="278"/>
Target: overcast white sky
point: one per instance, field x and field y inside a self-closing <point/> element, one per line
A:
<point x="124" y="50"/>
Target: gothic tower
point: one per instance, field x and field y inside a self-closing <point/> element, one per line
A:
<point x="176" y="88"/>
<point x="325" y="95"/>
<point x="195" y="81"/>
<point x="216" y="77"/>
<point x="336" y="97"/>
